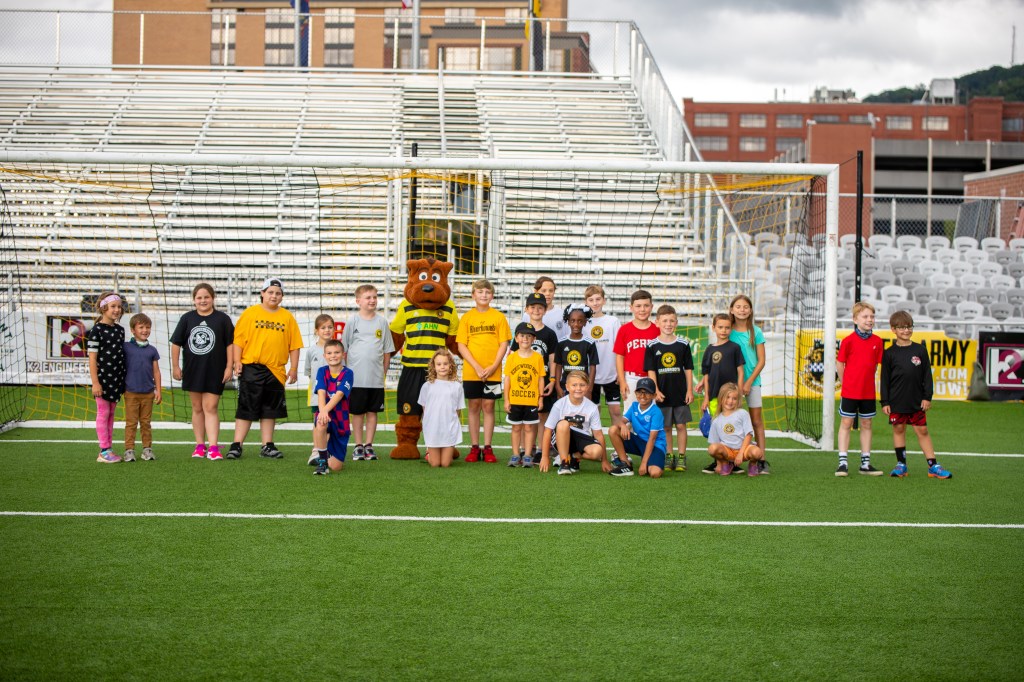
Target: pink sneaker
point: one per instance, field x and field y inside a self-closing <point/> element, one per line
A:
<point x="215" y="453"/>
<point x="108" y="457"/>
<point x="726" y="469"/>
<point x="754" y="469"/>
<point x="199" y="452"/>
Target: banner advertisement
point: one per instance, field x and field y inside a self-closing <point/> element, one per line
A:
<point x="1002" y="356"/>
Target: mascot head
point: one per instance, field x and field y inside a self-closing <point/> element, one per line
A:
<point x="427" y="285"/>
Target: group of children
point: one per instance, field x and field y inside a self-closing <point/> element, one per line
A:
<point x="553" y="371"/>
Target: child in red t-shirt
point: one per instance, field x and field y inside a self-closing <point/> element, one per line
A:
<point x="631" y="343"/>
<point x="858" y="359"/>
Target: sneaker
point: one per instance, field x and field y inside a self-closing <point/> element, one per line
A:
<point x="270" y="451"/>
<point x="368" y="454"/>
<point x="214" y="453"/>
<point x="621" y="470"/>
<point x="727" y="468"/>
<point x="869" y="471"/>
<point x="199" y="452"/>
<point x="321" y="468"/>
<point x="128" y="456"/>
<point x="314" y="457"/>
<point x="108" y="457"/>
<point x="681" y="462"/>
<point x="474" y="455"/>
<point x="900" y="471"/>
<point x="515" y="460"/>
<point x="738" y="470"/>
<point x="672" y="463"/>
<point x="527" y="462"/>
<point x="358" y="454"/>
<point x="710" y="469"/>
<point x="234" y="452"/>
<point x="842" y="471"/>
<point x="489" y="455"/>
<point x="574" y="464"/>
<point x="764" y="469"/>
<point x="565" y="470"/>
<point x="753" y="469"/>
<point x="147" y="454"/>
<point x="936" y="471"/>
<point x="557" y="461"/>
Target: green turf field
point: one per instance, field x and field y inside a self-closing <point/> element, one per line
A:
<point x="238" y="582"/>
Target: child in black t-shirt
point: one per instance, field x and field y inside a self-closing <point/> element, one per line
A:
<point x="575" y="353"/>
<point x="906" y="392"/>
<point x="669" y="362"/>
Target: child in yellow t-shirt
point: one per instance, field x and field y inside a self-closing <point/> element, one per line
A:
<point x="524" y="389"/>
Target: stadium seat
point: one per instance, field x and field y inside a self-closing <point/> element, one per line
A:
<point x="1000" y="311"/>
<point x="844" y="264"/>
<point x="925" y="294"/>
<point x="988" y="269"/>
<point x="972" y="281"/>
<point x="908" y="241"/>
<point x="760" y="277"/>
<point x="942" y="281"/>
<point x="946" y="255"/>
<point x="782" y="276"/>
<point x="878" y="241"/>
<point x="774" y="307"/>
<point x="772" y="251"/>
<point x="912" y="280"/>
<point x="848" y="241"/>
<point x="1014" y="270"/>
<point x="959" y="268"/>
<point x="881" y="279"/>
<point x="974" y="256"/>
<point x="1017" y="244"/>
<point x="970" y="310"/>
<point x="867" y="292"/>
<point x="899" y="267"/>
<point x="888" y="254"/>
<point x="1014" y="297"/>
<point x="936" y="242"/>
<point x="1005" y="257"/>
<point x="938" y="310"/>
<point x="846" y="279"/>
<point x="993" y="244"/>
<point x="844" y="306"/>
<point x="912" y="307"/>
<point x="782" y="262"/>
<point x="930" y="267"/>
<point x="770" y="291"/>
<point x="869" y="266"/>
<point x="791" y="239"/>
<point x="756" y="263"/>
<point x="1001" y="282"/>
<point x="955" y="295"/>
<point x="892" y="292"/>
<point x="986" y="295"/>
<point x="762" y="239"/>
<point x="964" y="243"/>
<point x="917" y="254"/>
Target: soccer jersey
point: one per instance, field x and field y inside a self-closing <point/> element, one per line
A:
<point x="906" y="378"/>
<point x="721" y="366"/>
<point x="325" y="381"/>
<point x="366" y="342"/>
<point x="107" y="342"/>
<point x="584" y="418"/>
<point x="742" y="339"/>
<point x="669" y="362"/>
<point x="602" y="331"/>
<point x="861" y="357"/>
<point x="575" y="355"/>
<point x="204" y="341"/>
<point x="425" y="331"/>
<point x="631" y="343"/>
<point x="544" y="343"/>
<point x="482" y="333"/>
<point x="553" y="320"/>
<point x="139" y="367"/>
<point x="524" y="378"/>
<point x="731" y="430"/>
<point x="314" y="361"/>
<point x="646" y="422"/>
<point x="267" y="337"/>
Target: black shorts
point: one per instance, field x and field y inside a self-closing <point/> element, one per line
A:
<point x="522" y="414"/>
<point x="410" y="381"/>
<point x="481" y="390"/>
<point x="363" y="400"/>
<point x="612" y="395"/>
<point x="578" y="442"/>
<point x="260" y="395"/>
<point x="549" y="402"/>
<point x="852" y="407"/>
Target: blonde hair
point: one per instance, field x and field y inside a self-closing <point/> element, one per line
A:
<point x="432" y="371"/>
<point x="578" y="374"/>
<point x="862" y="305"/>
<point x="732" y="318"/>
<point x="363" y="288"/>
<point x="592" y="290"/>
<point x="724" y="391"/>
<point x="483" y="284"/>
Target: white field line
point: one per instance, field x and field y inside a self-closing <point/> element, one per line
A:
<point x="523" y="521"/>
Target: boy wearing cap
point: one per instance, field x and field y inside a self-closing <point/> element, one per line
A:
<point x="545" y="340"/>
<point x="641" y="433"/>
<point x="266" y="338"/>
<point x="524" y="387"/>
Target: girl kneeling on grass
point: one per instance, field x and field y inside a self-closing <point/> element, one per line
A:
<point x="442" y="399"/>
<point x="730" y="441"/>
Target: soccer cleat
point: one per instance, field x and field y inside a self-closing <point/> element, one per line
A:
<point x="738" y="470"/>
<point x="621" y="470"/>
<point x="710" y="469"/>
<point x="557" y="461"/>
<point x="314" y="456"/>
<point x="753" y="469"/>
<point x="199" y="452"/>
<point x="270" y="451"/>
<point x="869" y="471"/>
<point x="672" y="463"/>
<point x="574" y="464"/>
<point x="900" y="471"/>
<point x="474" y="455"/>
<point x="565" y="470"/>
<point x="234" y="452"/>
<point x="515" y="460"/>
<point x="214" y="453"/>
<point x="765" y="468"/>
<point x="936" y="471"/>
<point x="368" y="454"/>
<point x="108" y="457"/>
<point x="727" y="468"/>
<point x="358" y="454"/>
<point x="843" y="470"/>
<point x="128" y="456"/>
<point x="489" y="455"/>
<point x="321" y="468"/>
<point x="681" y="462"/>
<point x="527" y="462"/>
<point x="147" y="454"/>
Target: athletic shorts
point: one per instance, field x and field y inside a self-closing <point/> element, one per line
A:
<point x="260" y="395"/>
<point x="676" y="415"/>
<point x="549" y="402"/>
<point x="363" y="400"/>
<point x="337" y="443"/>
<point x="522" y="414"/>
<point x="851" y="407"/>
<point x="733" y="452"/>
<point x="410" y="381"/>
<point x="612" y="394"/>
<point x="754" y="399"/>
<point x="578" y="442"/>
<point x="636" y="446"/>
<point x="912" y="418"/>
<point x="481" y="390"/>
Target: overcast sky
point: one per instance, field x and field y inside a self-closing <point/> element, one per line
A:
<point x="737" y="50"/>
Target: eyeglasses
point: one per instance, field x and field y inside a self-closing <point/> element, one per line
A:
<point x="904" y="328"/>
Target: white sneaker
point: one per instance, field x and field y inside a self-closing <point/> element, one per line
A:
<point x="313" y="457"/>
<point x="128" y="456"/>
<point x="147" y="454"/>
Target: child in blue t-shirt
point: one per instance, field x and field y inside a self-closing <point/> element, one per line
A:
<point x="331" y="427"/>
<point x="643" y="433"/>
<point x="142" y="387"/>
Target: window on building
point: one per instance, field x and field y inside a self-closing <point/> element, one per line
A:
<point x="858" y="118"/>
<point x="753" y="120"/>
<point x="826" y="118"/>
<point x="752" y="144"/>
<point x="935" y="123"/>
<point x="461" y="58"/>
<point x="222" y="37"/>
<point x="279" y="37"/>
<point x="515" y="16"/>
<point x="1013" y="125"/>
<point x="402" y="16"/>
<point x="712" y="143"/>
<point x="339" y="36"/>
<point x="712" y="120"/>
<point x="783" y="144"/>
<point x="789" y="121"/>
<point x="502" y="59"/>
<point x="899" y="123"/>
<point x="405" y="56"/>
<point x="558" y="61"/>
<point x="459" y="15"/>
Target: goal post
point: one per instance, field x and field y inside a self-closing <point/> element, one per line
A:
<point x="326" y="222"/>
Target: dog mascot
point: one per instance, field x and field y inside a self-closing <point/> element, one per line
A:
<point x="424" y="321"/>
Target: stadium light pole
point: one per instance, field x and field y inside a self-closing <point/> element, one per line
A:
<point x="414" y="58"/>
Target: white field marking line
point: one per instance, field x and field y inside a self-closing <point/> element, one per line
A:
<point x="480" y="519"/>
<point x="304" y="443"/>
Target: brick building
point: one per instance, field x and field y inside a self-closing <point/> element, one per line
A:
<point x="1005" y="182"/>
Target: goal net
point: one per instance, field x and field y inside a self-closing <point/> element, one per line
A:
<point x="689" y="233"/>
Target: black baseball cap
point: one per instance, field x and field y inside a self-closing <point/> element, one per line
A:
<point x="646" y="384"/>
<point x="526" y="328"/>
<point x="536" y="299"/>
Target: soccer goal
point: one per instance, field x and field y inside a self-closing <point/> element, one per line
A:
<point x="151" y="226"/>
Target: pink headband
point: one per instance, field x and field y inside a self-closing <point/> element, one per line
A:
<point x="110" y="299"/>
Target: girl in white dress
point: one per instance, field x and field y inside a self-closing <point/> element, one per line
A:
<point x="442" y="399"/>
